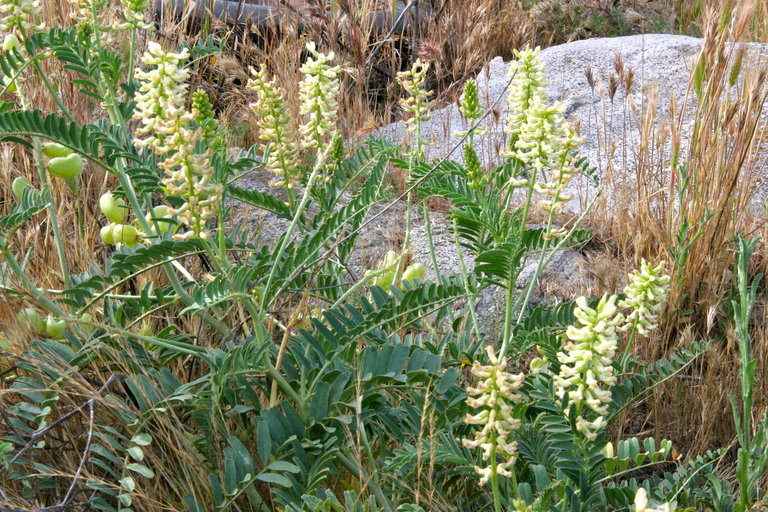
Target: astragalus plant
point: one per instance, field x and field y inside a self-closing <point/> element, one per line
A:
<point x="205" y="367"/>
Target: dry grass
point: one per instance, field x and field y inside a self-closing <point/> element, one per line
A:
<point x="694" y="198"/>
<point x="458" y="39"/>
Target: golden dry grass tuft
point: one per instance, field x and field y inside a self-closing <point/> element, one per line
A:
<point x="458" y="38"/>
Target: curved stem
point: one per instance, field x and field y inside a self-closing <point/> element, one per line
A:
<point x="46" y="189"/>
<point x="296" y="218"/>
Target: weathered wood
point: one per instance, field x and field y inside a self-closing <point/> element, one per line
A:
<point x="270" y="13"/>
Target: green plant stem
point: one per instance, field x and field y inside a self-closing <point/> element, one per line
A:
<point x="358" y="473"/>
<point x="494" y="476"/>
<point x="56" y="98"/>
<point x="406" y="238"/>
<point x="362" y="282"/>
<point x="465" y="280"/>
<point x="625" y="355"/>
<point x="522" y="301"/>
<point x="409" y="204"/>
<point x="46" y="189"/>
<point x="13" y="264"/>
<point x="294" y="223"/>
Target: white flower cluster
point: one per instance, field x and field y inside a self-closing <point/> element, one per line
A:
<point x="528" y="87"/>
<point x="20" y="16"/>
<point x="133" y="12"/>
<point x="493" y="396"/>
<point x="641" y="503"/>
<point x="275" y="129"/>
<point x="160" y="106"/>
<point x="644" y="296"/>
<point x="162" y="95"/>
<point x="417" y="104"/>
<point x="84" y="9"/>
<point x="539" y="135"/>
<point x="319" y="93"/>
<point x="586" y="373"/>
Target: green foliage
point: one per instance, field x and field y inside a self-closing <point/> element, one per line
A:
<point x="224" y="370"/>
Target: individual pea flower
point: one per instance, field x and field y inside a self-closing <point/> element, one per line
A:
<point x="641" y="503"/>
<point x="494" y="396"/>
<point x="319" y="91"/>
<point x="586" y="372"/>
<point x="555" y="234"/>
<point x="275" y="129"/>
<point x="471" y="108"/>
<point x="161" y="99"/>
<point x="645" y="295"/>
<point x="417" y="104"/>
<point x="527" y="87"/>
<point x="20" y="16"/>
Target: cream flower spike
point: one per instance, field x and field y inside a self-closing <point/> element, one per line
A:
<point x="494" y="395"/>
<point x="275" y="128"/>
<point x="645" y="295"/>
<point x="18" y="16"/>
<point x="319" y="93"/>
<point x="586" y="374"/>
<point x="161" y="108"/>
<point x="417" y="104"/>
<point x="528" y="86"/>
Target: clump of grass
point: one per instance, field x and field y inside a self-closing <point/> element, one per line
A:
<point x="697" y="173"/>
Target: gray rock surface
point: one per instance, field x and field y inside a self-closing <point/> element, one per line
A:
<point x="658" y="61"/>
<point x="610" y="127"/>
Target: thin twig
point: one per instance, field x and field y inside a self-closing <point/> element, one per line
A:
<point x="37" y="435"/>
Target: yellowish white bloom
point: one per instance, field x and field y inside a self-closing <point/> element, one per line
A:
<point x="586" y="371"/>
<point x="162" y="96"/>
<point x="167" y="125"/>
<point x="133" y="12"/>
<point x="494" y="396"/>
<point x="539" y="135"/>
<point x="84" y="9"/>
<point x="20" y="16"/>
<point x="319" y="92"/>
<point x="417" y="103"/>
<point x="645" y="295"/>
<point x="641" y="503"/>
<point x="528" y="87"/>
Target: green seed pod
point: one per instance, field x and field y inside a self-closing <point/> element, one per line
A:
<point x="55" y="150"/>
<point x="66" y="167"/>
<point x="54" y="328"/>
<point x="106" y="234"/>
<point x="10" y="84"/>
<point x="157" y="219"/>
<point x="31" y="320"/>
<point x="85" y="321"/>
<point x="11" y="42"/>
<point x="113" y="208"/>
<point x="385" y="279"/>
<point x="125" y="234"/>
<point x="415" y="271"/>
<point x="19" y="185"/>
<point x="390" y="259"/>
